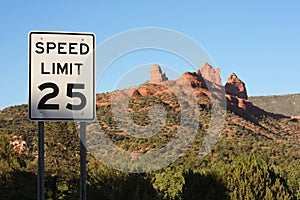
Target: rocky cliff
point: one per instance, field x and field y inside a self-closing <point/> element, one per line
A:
<point x="203" y="83"/>
<point x="235" y="87"/>
<point x="156" y="74"/>
<point x="210" y="74"/>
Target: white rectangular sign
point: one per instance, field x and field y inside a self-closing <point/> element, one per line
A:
<point x="61" y="76"/>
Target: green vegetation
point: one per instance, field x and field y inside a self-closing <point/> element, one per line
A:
<point x="250" y="161"/>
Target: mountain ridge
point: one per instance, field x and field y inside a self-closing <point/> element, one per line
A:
<point x="286" y="104"/>
<point x="256" y="155"/>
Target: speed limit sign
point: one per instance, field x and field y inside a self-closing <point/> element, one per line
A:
<point x="61" y="76"/>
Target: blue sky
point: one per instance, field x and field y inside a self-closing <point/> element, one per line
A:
<point x="258" y="40"/>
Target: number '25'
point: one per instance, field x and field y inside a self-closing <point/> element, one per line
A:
<point x="70" y="93"/>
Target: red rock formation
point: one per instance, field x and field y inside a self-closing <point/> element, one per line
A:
<point x="149" y="90"/>
<point x="236" y="87"/>
<point x="193" y="82"/>
<point x="192" y="79"/>
<point x="156" y="75"/>
<point x="210" y="74"/>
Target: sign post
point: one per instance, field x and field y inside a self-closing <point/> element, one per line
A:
<point x="41" y="161"/>
<point x="83" y="160"/>
<point x="61" y="88"/>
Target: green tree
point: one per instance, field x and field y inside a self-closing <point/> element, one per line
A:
<point x="247" y="178"/>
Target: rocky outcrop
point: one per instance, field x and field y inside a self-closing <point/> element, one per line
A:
<point x="203" y="84"/>
<point x="235" y="87"/>
<point x="19" y="145"/>
<point x="191" y="79"/>
<point x="149" y="90"/>
<point x="210" y="74"/>
<point x="156" y="75"/>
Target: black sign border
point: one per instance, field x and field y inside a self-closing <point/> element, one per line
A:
<point x="29" y="81"/>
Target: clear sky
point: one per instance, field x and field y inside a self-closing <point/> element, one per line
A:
<point x="258" y="40"/>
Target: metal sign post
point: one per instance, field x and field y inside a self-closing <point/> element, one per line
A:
<point x="41" y="161"/>
<point x="82" y="160"/>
